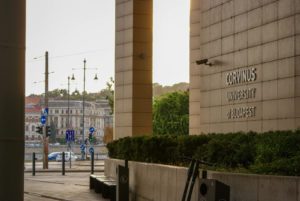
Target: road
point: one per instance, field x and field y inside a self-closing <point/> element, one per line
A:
<point x="49" y="186"/>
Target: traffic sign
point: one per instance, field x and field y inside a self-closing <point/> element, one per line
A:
<point x="70" y="135"/>
<point x="43" y="119"/>
<point x="82" y="147"/>
<point x="46" y="111"/>
<point x="91" y="150"/>
<point x="92" y="129"/>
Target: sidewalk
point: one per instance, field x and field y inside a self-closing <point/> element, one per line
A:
<point x="49" y="186"/>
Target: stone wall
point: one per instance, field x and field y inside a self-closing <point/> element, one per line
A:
<point x="155" y="182"/>
<point x="253" y="83"/>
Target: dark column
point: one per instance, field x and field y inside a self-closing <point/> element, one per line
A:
<point x="12" y="93"/>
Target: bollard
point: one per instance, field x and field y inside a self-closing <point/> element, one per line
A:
<point x="63" y="163"/>
<point x="92" y="162"/>
<point x="33" y="164"/>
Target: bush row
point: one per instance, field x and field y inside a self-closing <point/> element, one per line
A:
<point x="268" y="153"/>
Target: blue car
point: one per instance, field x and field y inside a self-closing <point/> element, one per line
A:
<point x="52" y="156"/>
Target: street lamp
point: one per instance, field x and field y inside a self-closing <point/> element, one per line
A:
<point x="83" y="100"/>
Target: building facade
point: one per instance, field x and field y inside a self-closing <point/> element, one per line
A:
<point x="244" y="65"/>
<point x="97" y="114"/>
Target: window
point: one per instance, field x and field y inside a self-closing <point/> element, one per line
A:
<point x="26" y="128"/>
<point x="56" y="111"/>
<point x="32" y="128"/>
<point x="62" y="111"/>
<point x="32" y="137"/>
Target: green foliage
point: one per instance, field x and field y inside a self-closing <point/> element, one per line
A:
<point x="268" y="153"/>
<point x="171" y="113"/>
<point x="61" y="140"/>
<point x="111" y="93"/>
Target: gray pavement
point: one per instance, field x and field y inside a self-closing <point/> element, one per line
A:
<point x="48" y="186"/>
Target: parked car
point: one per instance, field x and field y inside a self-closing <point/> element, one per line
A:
<point x="67" y="156"/>
<point x="52" y="156"/>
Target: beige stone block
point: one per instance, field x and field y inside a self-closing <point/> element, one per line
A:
<point x="143" y="7"/>
<point x="123" y="119"/>
<point x="194" y="82"/>
<point x="255" y="55"/>
<point x="270" y="32"/>
<point x="194" y="120"/>
<point x="204" y="128"/>
<point x="119" y="105"/>
<point x="297" y="86"/>
<point x="297" y="107"/>
<point x="286" y="27"/>
<point x="194" y="56"/>
<point x="252" y="4"/>
<point x="194" y="131"/>
<point x="240" y="40"/>
<point x="298" y="45"/>
<point x="240" y="126"/>
<point x="270" y="71"/>
<point x="254" y="126"/>
<point x="139" y="77"/>
<point x="127" y="91"/>
<point x="270" y="109"/>
<point x="297" y="23"/>
<point x="215" y="48"/>
<point x="119" y="92"/>
<point x="124" y="8"/>
<point x="140" y="90"/>
<point x="240" y="23"/>
<point x="227" y="10"/>
<point x="227" y="44"/>
<point x="225" y="109"/>
<point x="240" y="58"/>
<point x="297" y="6"/>
<point x="286" y="87"/>
<point x="194" y="95"/>
<point x="270" y="90"/>
<point x="205" y="51"/>
<point x="228" y="27"/>
<point x="285" y="8"/>
<point x="254" y="36"/>
<point x="205" y="35"/>
<point x="127" y="107"/>
<point x="206" y="18"/>
<point x="215" y="97"/>
<point x="215" y="81"/>
<point x="258" y="110"/>
<point x="195" y="5"/>
<point x="270" y="125"/>
<point x="142" y="35"/>
<point x="194" y="42"/>
<point x="205" y="83"/>
<point x="125" y="22"/>
<point x="194" y="108"/>
<point x="215" y="31"/>
<point x="215" y="128"/>
<point x="195" y="16"/>
<point x="270" y="12"/>
<point x="205" y="115"/>
<point x="286" y="124"/>
<point x="215" y="15"/>
<point x="287" y="108"/>
<point x="227" y="127"/>
<point x="123" y="64"/>
<point x="286" y="67"/>
<point x="297" y="65"/>
<point x="206" y="4"/>
<point x="258" y="92"/>
<point x="297" y="123"/>
<point x="240" y="6"/>
<point x="270" y="51"/>
<point x="254" y="18"/>
<point x="228" y="61"/>
<point x="286" y="47"/>
<point x="216" y="2"/>
<point x="144" y="48"/>
<point x="140" y="105"/>
<point x="205" y="99"/>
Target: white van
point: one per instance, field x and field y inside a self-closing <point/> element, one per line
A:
<point x="67" y="156"/>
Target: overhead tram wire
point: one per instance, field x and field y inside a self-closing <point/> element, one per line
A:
<point x="35" y="59"/>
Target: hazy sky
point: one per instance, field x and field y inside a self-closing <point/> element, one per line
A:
<point x="71" y="30"/>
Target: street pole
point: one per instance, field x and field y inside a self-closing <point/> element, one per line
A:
<point x="83" y="94"/>
<point x="69" y="142"/>
<point x="45" y="155"/>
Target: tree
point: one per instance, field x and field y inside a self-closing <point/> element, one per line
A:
<point x="111" y="95"/>
<point x="171" y="113"/>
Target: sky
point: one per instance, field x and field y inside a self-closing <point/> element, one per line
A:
<point x="74" y="30"/>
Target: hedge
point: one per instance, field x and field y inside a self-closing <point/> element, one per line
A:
<point x="267" y="153"/>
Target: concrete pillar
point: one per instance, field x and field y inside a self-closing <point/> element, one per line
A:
<point x="12" y="90"/>
<point x="133" y="68"/>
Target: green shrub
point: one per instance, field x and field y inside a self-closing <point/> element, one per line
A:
<point x="268" y="153"/>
